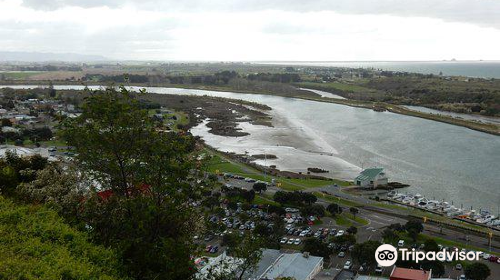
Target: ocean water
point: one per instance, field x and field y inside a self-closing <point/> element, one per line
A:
<point x="478" y="69"/>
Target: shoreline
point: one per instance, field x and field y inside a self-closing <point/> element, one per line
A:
<point x="393" y="108"/>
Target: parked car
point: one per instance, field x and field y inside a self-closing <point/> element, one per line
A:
<point x="283" y="240"/>
<point x="348" y="264"/>
<point x="214" y="249"/>
<point x="290" y="241"/>
<point x="208" y="238"/>
<point x="458" y="266"/>
<point x="401" y="243"/>
<point x="462" y="277"/>
<point x="341" y="254"/>
<point x="486" y="256"/>
<point x="208" y="248"/>
<point x="297" y="241"/>
<point x="340" y="232"/>
<point x="493" y="259"/>
<point x="378" y="269"/>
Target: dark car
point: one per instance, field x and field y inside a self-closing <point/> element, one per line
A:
<point x="214" y="249"/>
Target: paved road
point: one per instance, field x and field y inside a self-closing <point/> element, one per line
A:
<point x="378" y="221"/>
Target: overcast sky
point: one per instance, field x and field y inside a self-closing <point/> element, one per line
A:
<point x="252" y="30"/>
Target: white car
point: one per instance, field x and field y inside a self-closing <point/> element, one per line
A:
<point x="401" y="243"/>
<point x="283" y="240"/>
<point x="340" y="233"/>
<point x="348" y="264"/>
<point x="290" y="241"/>
<point x="486" y="256"/>
<point x="297" y="241"/>
<point x="378" y="269"/>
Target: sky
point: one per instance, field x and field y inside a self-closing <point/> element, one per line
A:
<point x="255" y="30"/>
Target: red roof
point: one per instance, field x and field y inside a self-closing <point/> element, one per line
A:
<point x="410" y="274"/>
<point x="144" y="189"/>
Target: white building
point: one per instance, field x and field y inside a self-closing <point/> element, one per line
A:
<point x="276" y="265"/>
<point x="371" y="178"/>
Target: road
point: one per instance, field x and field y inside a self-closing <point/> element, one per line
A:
<point x="378" y="221"/>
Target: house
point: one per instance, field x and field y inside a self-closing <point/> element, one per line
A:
<point x="275" y="265"/>
<point x="399" y="273"/>
<point x="272" y="265"/>
<point x="371" y="178"/>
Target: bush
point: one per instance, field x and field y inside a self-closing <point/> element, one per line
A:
<point x="36" y="244"/>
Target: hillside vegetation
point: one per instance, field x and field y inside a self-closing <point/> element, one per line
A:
<point x="35" y="243"/>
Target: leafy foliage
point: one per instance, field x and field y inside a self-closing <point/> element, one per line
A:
<point x="36" y="244"/>
<point x="477" y="271"/>
<point x="141" y="206"/>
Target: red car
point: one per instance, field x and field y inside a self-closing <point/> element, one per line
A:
<point x="493" y="259"/>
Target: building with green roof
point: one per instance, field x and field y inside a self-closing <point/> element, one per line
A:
<point x="371" y="178"/>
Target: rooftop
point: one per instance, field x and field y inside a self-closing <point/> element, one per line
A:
<point x="410" y="274"/>
<point x="369" y="174"/>
<point x="275" y="264"/>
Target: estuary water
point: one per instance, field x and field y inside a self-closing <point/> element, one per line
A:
<point x="438" y="160"/>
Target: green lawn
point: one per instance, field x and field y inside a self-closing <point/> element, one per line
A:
<point x="221" y="165"/>
<point x="357" y="219"/>
<point x="342" y="220"/>
<point x="261" y="200"/>
<point x="337" y="200"/>
<point x="19" y="75"/>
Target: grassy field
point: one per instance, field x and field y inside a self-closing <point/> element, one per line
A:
<point x="218" y="164"/>
<point x="21" y="75"/>
<point x="261" y="200"/>
<point x="342" y="220"/>
<point x="338" y="200"/>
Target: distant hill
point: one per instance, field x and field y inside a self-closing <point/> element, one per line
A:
<point x="41" y="57"/>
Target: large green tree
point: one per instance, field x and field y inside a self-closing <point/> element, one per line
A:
<point x="142" y="184"/>
<point x="365" y="252"/>
<point x="477" y="271"/>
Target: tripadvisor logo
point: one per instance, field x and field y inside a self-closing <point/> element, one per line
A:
<point x="386" y="255"/>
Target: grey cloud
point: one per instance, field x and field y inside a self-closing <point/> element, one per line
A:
<point x="118" y="42"/>
<point x="479" y="12"/>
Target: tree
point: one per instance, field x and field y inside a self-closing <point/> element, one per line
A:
<point x="389" y="235"/>
<point x="414" y="228"/>
<point x="57" y="188"/>
<point x="6" y="122"/>
<point x="477" y="271"/>
<point x="249" y="250"/>
<point x="354" y="211"/>
<point x="314" y="210"/>
<point x="352" y="230"/>
<point x="52" y="91"/>
<point x="141" y="204"/>
<point x="334" y="209"/>
<point x="365" y="252"/>
<point x="248" y="195"/>
<point x="316" y="248"/>
<point x="397" y="227"/>
<point x="259" y="187"/>
<point x="309" y="198"/>
<point x="430" y="245"/>
<point x="346" y="239"/>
